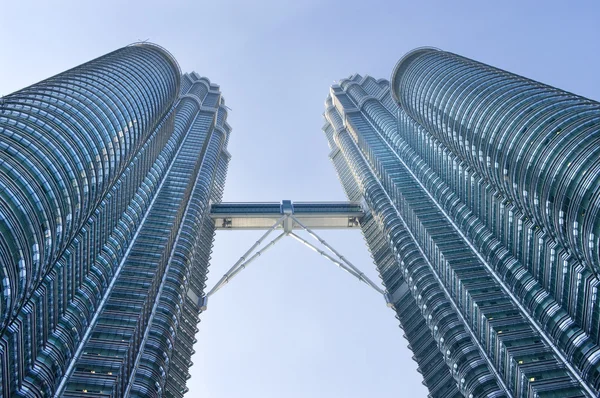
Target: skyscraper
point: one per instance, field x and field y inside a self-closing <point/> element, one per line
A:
<point x="107" y="172"/>
<point x="480" y="195"/>
<point x="482" y="199"/>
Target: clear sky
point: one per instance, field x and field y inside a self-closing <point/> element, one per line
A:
<point x="292" y="325"/>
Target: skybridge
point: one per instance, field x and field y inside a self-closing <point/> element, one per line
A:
<point x="286" y="217"/>
<point x="313" y="215"/>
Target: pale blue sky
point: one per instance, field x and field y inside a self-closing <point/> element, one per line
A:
<point x="292" y="325"/>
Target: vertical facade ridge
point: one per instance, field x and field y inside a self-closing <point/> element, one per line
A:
<point x="468" y="367"/>
<point x="493" y="175"/>
<point x="107" y="171"/>
<point x="64" y="148"/>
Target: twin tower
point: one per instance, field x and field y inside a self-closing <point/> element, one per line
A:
<point x="478" y="194"/>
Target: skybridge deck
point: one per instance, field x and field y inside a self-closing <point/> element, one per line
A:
<point x="314" y="215"/>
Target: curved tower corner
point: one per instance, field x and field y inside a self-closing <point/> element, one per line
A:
<point x="107" y="171"/>
<point x="485" y="187"/>
<point x="64" y="143"/>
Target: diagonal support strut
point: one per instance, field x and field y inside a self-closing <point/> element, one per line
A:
<point x="356" y="272"/>
<point x="286" y="222"/>
<point x="336" y="262"/>
<point x="242" y="262"/>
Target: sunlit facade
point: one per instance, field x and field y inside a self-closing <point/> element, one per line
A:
<point x="477" y="191"/>
<point x="482" y="191"/>
<point x="107" y="172"/>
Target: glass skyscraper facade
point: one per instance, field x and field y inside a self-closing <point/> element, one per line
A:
<point x="107" y="172"/>
<point x="481" y="198"/>
<point x="482" y="194"/>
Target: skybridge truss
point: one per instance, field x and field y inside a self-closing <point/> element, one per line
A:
<point x="285" y="218"/>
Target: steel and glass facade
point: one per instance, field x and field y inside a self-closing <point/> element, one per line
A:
<point x="483" y="197"/>
<point x="480" y="194"/>
<point x="107" y="172"/>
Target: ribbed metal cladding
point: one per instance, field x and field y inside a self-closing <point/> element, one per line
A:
<point x="64" y="143"/>
<point x="456" y="344"/>
<point x="164" y="366"/>
<point x="106" y="175"/>
<point x="140" y="343"/>
<point x="495" y="154"/>
<point x="436" y="376"/>
<point x="429" y="318"/>
<point x="525" y="306"/>
<point x="537" y="145"/>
